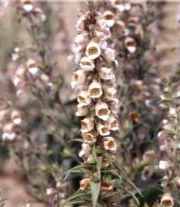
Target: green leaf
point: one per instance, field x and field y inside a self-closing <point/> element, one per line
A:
<point x="95" y="191"/>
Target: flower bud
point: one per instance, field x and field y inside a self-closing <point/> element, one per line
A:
<point x="110" y="144"/>
<point x="95" y="89"/>
<point x="102" y="111"/>
<point x="85" y="184"/>
<point x="85" y="150"/>
<point x="78" y="78"/>
<point x="93" y="50"/>
<point x="87" y="64"/>
<point x="87" y="124"/>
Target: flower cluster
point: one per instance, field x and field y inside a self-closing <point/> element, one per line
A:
<point x="95" y="84"/>
<point x="30" y="75"/>
<point x="10" y="123"/>
<point x="169" y="145"/>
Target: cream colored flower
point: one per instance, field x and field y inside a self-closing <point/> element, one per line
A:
<point x="167" y="200"/>
<point x="103" y="129"/>
<point x="113" y="124"/>
<point x="83" y="98"/>
<point x="85" y="150"/>
<point x="110" y="144"/>
<point x="102" y="111"/>
<point x="85" y="184"/>
<point x="89" y="137"/>
<point x="87" y="124"/>
<point x="95" y="89"/>
<point x="87" y="64"/>
<point x="93" y="50"/>
<point x="130" y="44"/>
<point x="82" y="110"/>
<point x="106" y="73"/>
<point x="78" y="78"/>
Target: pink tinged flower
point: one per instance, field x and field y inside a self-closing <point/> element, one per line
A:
<point x="87" y="124"/>
<point x="84" y="98"/>
<point x="89" y="137"/>
<point x="93" y="50"/>
<point x="87" y="64"/>
<point x="103" y="129"/>
<point x="85" y="150"/>
<point x="130" y="45"/>
<point x="110" y="144"/>
<point x="78" y="78"/>
<point x="110" y="93"/>
<point x="113" y="124"/>
<point x="102" y="111"/>
<point x="95" y="89"/>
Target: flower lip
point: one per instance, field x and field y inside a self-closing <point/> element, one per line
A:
<point x="87" y="64"/>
